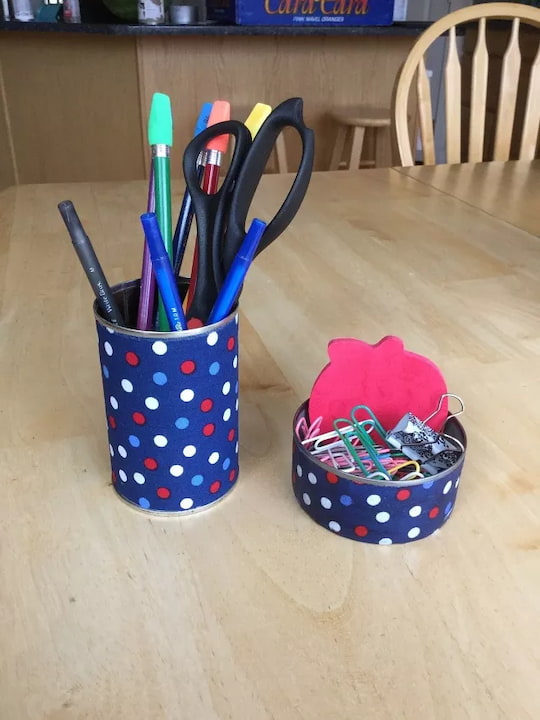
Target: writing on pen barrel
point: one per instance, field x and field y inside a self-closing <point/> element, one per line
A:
<point x="163" y="272"/>
<point x="90" y="263"/>
<point x="234" y="279"/>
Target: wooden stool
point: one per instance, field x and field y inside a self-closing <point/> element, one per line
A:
<point x="372" y="120"/>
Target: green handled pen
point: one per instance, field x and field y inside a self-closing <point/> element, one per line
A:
<point x="160" y="138"/>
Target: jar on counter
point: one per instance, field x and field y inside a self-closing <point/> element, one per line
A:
<point x="151" y="12"/>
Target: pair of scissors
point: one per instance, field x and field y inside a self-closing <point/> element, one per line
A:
<point x="221" y="218"/>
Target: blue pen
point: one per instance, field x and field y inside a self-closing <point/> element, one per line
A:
<point x="234" y="279"/>
<point x="185" y="217"/>
<point x="163" y="272"/>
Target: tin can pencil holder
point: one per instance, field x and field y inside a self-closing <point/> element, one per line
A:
<point x="374" y="511"/>
<point x="171" y="402"/>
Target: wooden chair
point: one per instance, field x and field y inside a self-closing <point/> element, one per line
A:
<point x="354" y="127"/>
<point x="414" y="69"/>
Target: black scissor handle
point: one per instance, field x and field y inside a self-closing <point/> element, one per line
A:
<point x="211" y="210"/>
<point x="288" y="114"/>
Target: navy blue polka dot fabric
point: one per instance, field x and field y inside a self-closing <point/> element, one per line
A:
<point x="172" y="414"/>
<point x="367" y="511"/>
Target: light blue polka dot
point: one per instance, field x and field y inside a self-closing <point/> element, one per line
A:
<point x="144" y="503"/>
<point x="345" y="500"/>
<point x="159" y="378"/>
<point x="197" y="480"/>
<point x="105" y="371"/>
<point x="134" y="441"/>
<point x="181" y="423"/>
<point x="448" y="509"/>
<point x="226" y="463"/>
<point x="236" y="387"/>
<point x="214" y="368"/>
<point x="427" y="485"/>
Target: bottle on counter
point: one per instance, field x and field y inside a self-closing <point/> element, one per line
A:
<point x="22" y="10"/>
<point x="151" y="12"/>
<point x="72" y="11"/>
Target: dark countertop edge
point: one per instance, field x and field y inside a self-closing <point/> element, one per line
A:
<point x="397" y="29"/>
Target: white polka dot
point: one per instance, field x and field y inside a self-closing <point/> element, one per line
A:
<point x="237" y="403"/>
<point x="186" y="503"/>
<point x="187" y="395"/>
<point x="447" y="487"/>
<point x="382" y="517"/>
<point x="373" y="500"/>
<point x="236" y="448"/>
<point x="306" y="499"/>
<point x="457" y="482"/>
<point x="236" y="319"/>
<point x="108" y="348"/>
<point x="385" y="541"/>
<point x="312" y="479"/>
<point x="152" y="403"/>
<point x="160" y="440"/>
<point x="123" y="476"/>
<point x="414" y="532"/>
<point x="111" y="450"/>
<point x="109" y="330"/>
<point x="159" y="347"/>
<point x="227" y="414"/>
<point x="235" y="361"/>
<point x="299" y="470"/>
<point x="226" y="389"/>
<point x="139" y="478"/>
<point x="127" y="385"/>
<point x="212" y="338"/>
<point x="189" y="450"/>
<point x="335" y="526"/>
<point x="114" y="402"/>
<point x="415" y="511"/>
<point x="176" y="470"/>
<point x="214" y="457"/>
<point x="326" y="503"/>
<point x="122" y="451"/>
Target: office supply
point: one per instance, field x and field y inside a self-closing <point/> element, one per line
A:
<point x="145" y="314"/>
<point x="214" y="150"/>
<point x="163" y="272"/>
<point x="230" y="290"/>
<point x="160" y="138"/>
<point x="90" y="263"/>
<point x="256" y="118"/>
<point x="385" y="377"/>
<point x="185" y="218"/>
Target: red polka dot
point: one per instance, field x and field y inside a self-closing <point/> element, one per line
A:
<point x="113" y="476"/>
<point x="187" y="367"/>
<point x="207" y="405"/>
<point x="231" y="435"/>
<point x="150" y="463"/>
<point x="332" y="478"/>
<point x="112" y="422"/>
<point x="214" y="487"/>
<point x="433" y="512"/>
<point x="163" y="492"/>
<point x="232" y="475"/>
<point x="132" y="359"/>
<point x="403" y="494"/>
<point x="230" y="343"/>
<point x="138" y="418"/>
<point x="209" y="429"/>
<point x="361" y="530"/>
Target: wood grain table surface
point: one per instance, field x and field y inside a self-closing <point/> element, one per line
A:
<point x="251" y="611"/>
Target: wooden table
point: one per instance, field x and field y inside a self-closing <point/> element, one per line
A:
<point x="250" y="610"/>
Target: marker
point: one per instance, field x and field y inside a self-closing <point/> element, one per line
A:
<point x="256" y="118"/>
<point x="163" y="272"/>
<point x="160" y="138"/>
<point x="185" y="218"/>
<point x="92" y="268"/>
<point x="230" y="290"/>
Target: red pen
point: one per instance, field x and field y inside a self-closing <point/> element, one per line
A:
<point x="216" y="148"/>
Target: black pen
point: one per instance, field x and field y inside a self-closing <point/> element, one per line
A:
<point x="92" y="268"/>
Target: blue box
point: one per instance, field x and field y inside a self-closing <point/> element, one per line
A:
<point x="306" y="13"/>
